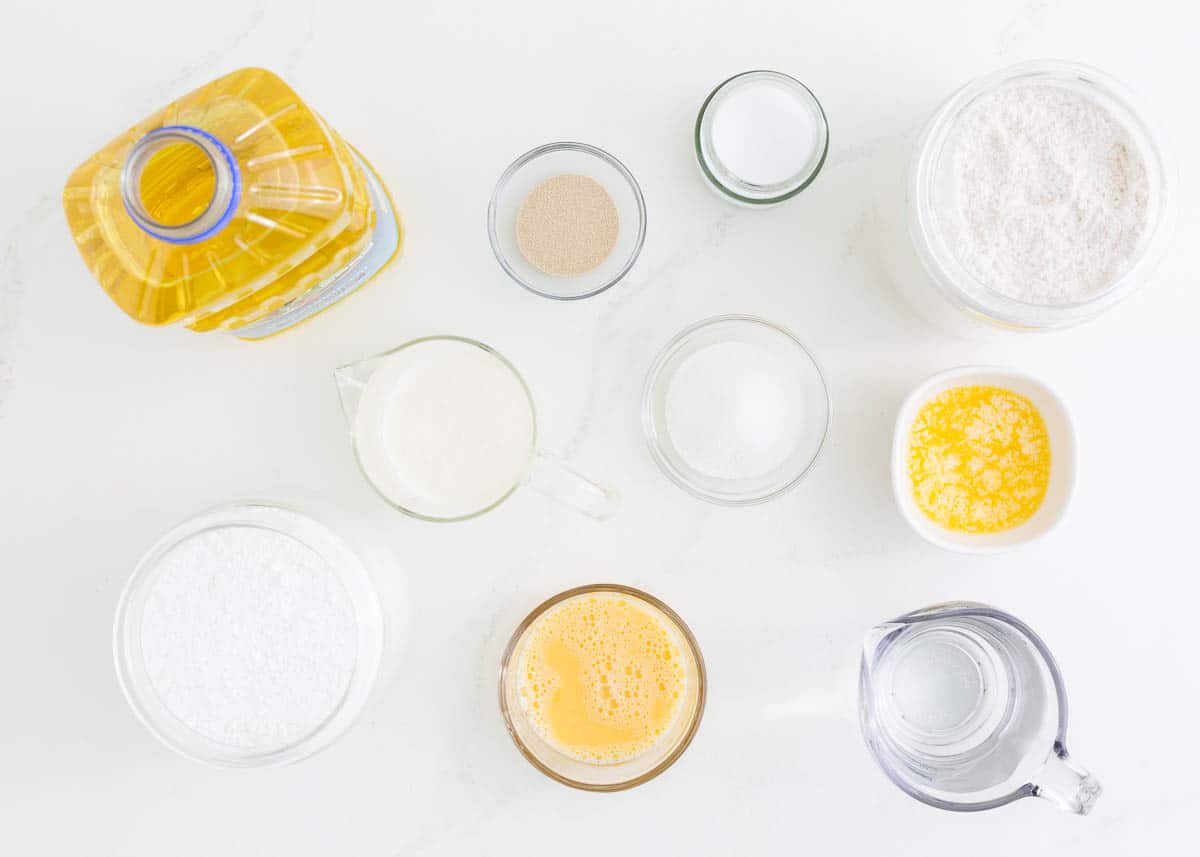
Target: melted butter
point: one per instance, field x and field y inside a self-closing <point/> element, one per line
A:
<point x="979" y="459"/>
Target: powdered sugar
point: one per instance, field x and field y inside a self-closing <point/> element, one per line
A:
<point x="248" y="636"/>
<point x="1050" y="197"/>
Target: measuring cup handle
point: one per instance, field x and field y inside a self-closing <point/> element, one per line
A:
<point x="1065" y="784"/>
<point x="550" y="476"/>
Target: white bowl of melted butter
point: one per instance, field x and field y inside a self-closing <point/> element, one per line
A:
<point x="976" y="517"/>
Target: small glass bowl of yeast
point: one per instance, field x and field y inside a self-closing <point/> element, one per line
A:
<point x="602" y="687"/>
<point x="567" y="191"/>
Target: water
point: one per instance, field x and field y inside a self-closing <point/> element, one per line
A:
<point x="963" y="705"/>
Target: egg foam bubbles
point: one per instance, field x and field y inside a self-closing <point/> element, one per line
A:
<point x="602" y="678"/>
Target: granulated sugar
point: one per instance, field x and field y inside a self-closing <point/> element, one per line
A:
<point x="734" y="410"/>
<point x="248" y="637"/>
<point x="1051" y="196"/>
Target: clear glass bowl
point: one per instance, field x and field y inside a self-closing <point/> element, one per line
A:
<point x="930" y="184"/>
<point x="130" y="662"/>
<point x="546" y="162"/>
<point x="595" y="777"/>
<point x="756" y="487"/>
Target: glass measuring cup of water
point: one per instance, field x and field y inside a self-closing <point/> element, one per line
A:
<point x="444" y="429"/>
<point x="964" y="708"/>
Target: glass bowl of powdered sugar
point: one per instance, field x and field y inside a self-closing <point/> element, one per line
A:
<point x="735" y="410"/>
<point x="1039" y="196"/>
<point x="248" y="636"/>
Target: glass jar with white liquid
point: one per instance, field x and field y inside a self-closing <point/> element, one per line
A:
<point x="761" y="137"/>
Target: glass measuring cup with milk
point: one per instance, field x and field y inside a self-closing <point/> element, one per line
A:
<point x="444" y="428"/>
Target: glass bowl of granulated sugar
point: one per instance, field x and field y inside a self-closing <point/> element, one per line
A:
<point x="735" y="410"/>
<point x="249" y="636"/>
<point x="1039" y="196"/>
<point x="567" y="220"/>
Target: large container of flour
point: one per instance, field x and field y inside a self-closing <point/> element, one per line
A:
<point x="1038" y="197"/>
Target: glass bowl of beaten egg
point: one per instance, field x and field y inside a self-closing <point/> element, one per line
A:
<point x="983" y="459"/>
<point x="602" y="687"/>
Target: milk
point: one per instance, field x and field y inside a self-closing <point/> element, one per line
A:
<point x="764" y="133"/>
<point x="444" y="428"/>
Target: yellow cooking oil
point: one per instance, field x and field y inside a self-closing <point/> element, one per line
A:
<point x="235" y="208"/>
<point x="177" y="184"/>
<point x="979" y="459"/>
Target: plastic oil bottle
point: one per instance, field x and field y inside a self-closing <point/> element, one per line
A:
<point x="235" y="208"/>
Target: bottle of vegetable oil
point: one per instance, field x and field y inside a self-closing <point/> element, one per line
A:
<point x="235" y="208"/>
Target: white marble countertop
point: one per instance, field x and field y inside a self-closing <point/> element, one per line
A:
<point x="109" y="433"/>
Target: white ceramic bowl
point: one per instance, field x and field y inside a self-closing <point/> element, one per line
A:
<point x="1062" y="459"/>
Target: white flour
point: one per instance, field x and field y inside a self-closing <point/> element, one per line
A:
<point x="735" y="410"/>
<point x="1051" y="194"/>
<point x="248" y="637"/>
